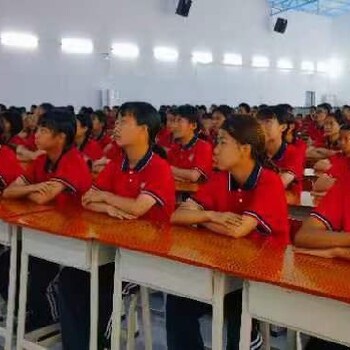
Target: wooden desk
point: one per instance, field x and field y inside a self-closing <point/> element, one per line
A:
<point x="186" y="187"/>
<point x="9" y="235"/>
<point x="60" y="236"/>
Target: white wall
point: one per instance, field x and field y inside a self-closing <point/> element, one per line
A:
<point x="340" y="85"/>
<point x="221" y="25"/>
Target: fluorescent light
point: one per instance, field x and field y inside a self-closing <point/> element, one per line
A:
<point x="308" y="66"/>
<point x="322" y="67"/>
<point x="260" y="62"/>
<point x="202" y="57"/>
<point x="19" y="40"/>
<point x="125" y="50"/>
<point x="77" y="46"/>
<point x="165" y="54"/>
<point x="232" y="59"/>
<point x="285" y="64"/>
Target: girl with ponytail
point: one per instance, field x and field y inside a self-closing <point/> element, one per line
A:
<point x="245" y="198"/>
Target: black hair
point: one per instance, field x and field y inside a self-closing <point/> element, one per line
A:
<point x="33" y="106"/>
<point x="145" y="114"/>
<point x="225" y="110"/>
<point x="207" y="116"/>
<point x="345" y="127"/>
<point x="2" y="107"/>
<point x="203" y="107"/>
<point x="15" y="119"/>
<point x="326" y="106"/>
<point x="338" y="117"/>
<point x="85" y="122"/>
<point x="274" y="112"/>
<point x="245" y="106"/>
<point x="100" y="116"/>
<point x="71" y="109"/>
<point x="60" y="121"/>
<point x="263" y="106"/>
<point x="188" y="112"/>
<point x="47" y="107"/>
<point x="246" y="130"/>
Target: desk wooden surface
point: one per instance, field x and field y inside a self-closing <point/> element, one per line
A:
<point x="10" y="208"/>
<point x="188" y="187"/>
<point x="251" y="259"/>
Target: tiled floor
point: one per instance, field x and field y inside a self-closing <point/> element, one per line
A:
<point x="158" y="327"/>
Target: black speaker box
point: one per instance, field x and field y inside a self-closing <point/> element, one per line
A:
<point x="281" y="25"/>
<point x="183" y="8"/>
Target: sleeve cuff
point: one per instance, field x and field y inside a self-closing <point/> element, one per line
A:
<point x="64" y="182"/>
<point x="155" y="196"/>
<point x="262" y="227"/>
<point x="321" y="218"/>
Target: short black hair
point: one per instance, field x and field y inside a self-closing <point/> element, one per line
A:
<point x="144" y="114"/>
<point x="188" y="112"/>
<point x="245" y="106"/>
<point x="2" y="107"/>
<point x="86" y="122"/>
<point x="15" y="119"/>
<point x="225" y="110"/>
<point x="326" y="106"/>
<point x="100" y="116"/>
<point x="47" y="107"/>
<point x="273" y="112"/>
<point x="60" y="121"/>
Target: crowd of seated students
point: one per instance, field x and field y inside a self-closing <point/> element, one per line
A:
<point x="124" y="162"/>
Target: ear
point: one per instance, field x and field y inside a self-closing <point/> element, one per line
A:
<point x="283" y="127"/>
<point x="246" y="149"/>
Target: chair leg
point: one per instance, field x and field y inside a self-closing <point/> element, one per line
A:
<point x="131" y="322"/>
<point x="22" y="300"/>
<point x="265" y="330"/>
<point x="218" y="311"/>
<point x="146" y="318"/>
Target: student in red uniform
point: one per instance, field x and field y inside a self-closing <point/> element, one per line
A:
<point x="326" y="233"/>
<point x="219" y="115"/>
<point x="191" y="157"/>
<point x="285" y="156"/>
<point x="165" y="137"/>
<point x="244" y="199"/>
<point x="335" y="166"/>
<point x="315" y="130"/>
<point x="99" y="129"/>
<point x="137" y="185"/>
<point x="90" y="149"/>
<point x="61" y="175"/>
<point x="12" y="125"/>
<point x="331" y="145"/>
<point x="10" y="169"/>
<point x="292" y="137"/>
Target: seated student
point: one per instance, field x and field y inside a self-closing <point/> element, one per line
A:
<point x="61" y="172"/>
<point x="326" y="234"/>
<point x="10" y="169"/>
<point x="12" y="125"/>
<point x="190" y="158"/>
<point x="137" y="185"/>
<point x="219" y="115"/>
<point x="244" y="109"/>
<point x="334" y="167"/>
<point x="205" y="132"/>
<point x="346" y="114"/>
<point x="244" y="199"/>
<point x="99" y="130"/>
<point x="331" y="144"/>
<point x="62" y="175"/>
<point x="292" y="137"/>
<point x="285" y="156"/>
<point x="89" y="148"/>
<point x="165" y="137"/>
<point x="315" y="129"/>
